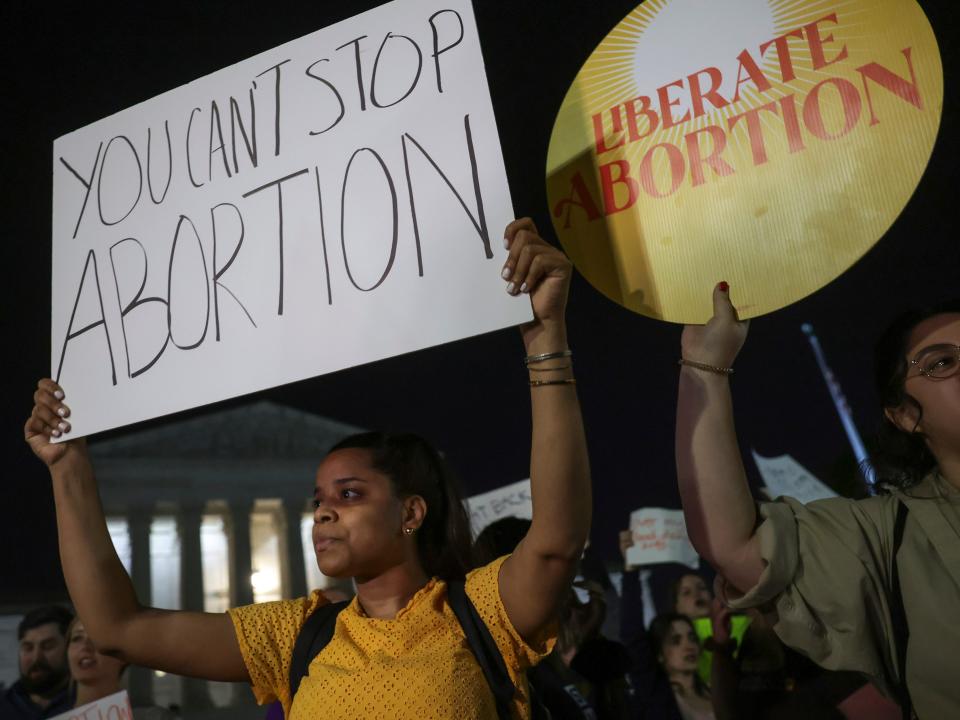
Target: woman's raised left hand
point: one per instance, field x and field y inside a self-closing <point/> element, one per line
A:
<point x="535" y="267"/>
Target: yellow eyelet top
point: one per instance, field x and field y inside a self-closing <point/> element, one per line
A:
<point x="417" y="666"/>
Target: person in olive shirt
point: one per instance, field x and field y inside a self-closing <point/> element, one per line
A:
<point x="871" y="585"/>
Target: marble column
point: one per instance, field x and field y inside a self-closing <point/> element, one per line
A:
<point x="241" y="568"/>
<point x="241" y="553"/>
<point x="139" y="518"/>
<point x="195" y="695"/>
<point x="295" y="573"/>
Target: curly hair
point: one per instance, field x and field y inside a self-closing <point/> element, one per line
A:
<point x="899" y="458"/>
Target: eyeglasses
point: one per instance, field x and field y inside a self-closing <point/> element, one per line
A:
<point x="938" y="362"/>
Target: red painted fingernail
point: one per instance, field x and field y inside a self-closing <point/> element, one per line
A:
<point x="724" y="287"/>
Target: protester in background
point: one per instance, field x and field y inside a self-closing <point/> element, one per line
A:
<point x="605" y="663"/>
<point x="389" y="515"/>
<point x="675" y="651"/>
<point x="557" y="691"/>
<point x="564" y="692"/>
<point x="688" y="595"/>
<point x="661" y="655"/>
<point x="95" y="675"/>
<point x="499" y="538"/>
<point x="865" y="585"/>
<point x="769" y="681"/>
<point x="43" y="688"/>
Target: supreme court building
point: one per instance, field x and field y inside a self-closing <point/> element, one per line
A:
<point x="214" y="512"/>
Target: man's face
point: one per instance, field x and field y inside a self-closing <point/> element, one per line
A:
<point x="43" y="659"/>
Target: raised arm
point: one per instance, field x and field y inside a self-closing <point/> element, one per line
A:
<point x="186" y="643"/>
<point x="717" y="504"/>
<point x="533" y="580"/>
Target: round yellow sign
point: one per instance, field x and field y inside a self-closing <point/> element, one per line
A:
<point x="769" y="143"/>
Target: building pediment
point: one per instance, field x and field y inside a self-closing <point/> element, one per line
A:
<point x="258" y="450"/>
<point x="258" y="431"/>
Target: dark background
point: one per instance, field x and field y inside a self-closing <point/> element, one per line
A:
<point x="66" y="67"/>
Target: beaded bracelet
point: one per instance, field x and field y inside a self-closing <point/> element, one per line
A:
<point x="541" y="383"/>
<point x="703" y="366"/>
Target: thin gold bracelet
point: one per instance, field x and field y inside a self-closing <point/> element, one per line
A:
<point x="703" y="366"/>
<point x="559" y="367"/>
<point x="530" y="359"/>
<point x="541" y="383"/>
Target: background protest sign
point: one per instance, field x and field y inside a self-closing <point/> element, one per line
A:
<point x="508" y="501"/>
<point x="111" y="707"/>
<point x="769" y="143"/>
<point x="783" y="475"/>
<point x="660" y="536"/>
<point x="333" y="201"/>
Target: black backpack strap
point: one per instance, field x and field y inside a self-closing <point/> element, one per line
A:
<point x="898" y="616"/>
<point x="484" y="649"/>
<point x="313" y="637"/>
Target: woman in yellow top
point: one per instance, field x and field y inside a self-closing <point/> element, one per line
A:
<point x="387" y="516"/>
<point x="830" y="571"/>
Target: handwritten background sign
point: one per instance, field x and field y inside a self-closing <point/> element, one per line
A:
<point x="111" y="707"/>
<point x="660" y="536"/>
<point x="508" y="501"/>
<point x="333" y="201"/>
<point x="783" y="475"/>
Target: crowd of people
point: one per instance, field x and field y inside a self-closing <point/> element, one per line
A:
<point x="61" y="669"/>
<point x="833" y="609"/>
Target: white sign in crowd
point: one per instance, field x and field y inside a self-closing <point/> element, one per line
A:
<point x="660" y="536"/>
<point x="111" y="707"/>
<point x="784" y="476"/>
<point x="333" y="201"/>
<point x="508" y="501"/>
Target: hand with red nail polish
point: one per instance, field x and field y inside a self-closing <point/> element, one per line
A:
<point x="719" y="341"/>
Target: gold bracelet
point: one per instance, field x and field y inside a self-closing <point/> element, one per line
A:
<point x="541" y="383"/>
<point x="530" y="359"/>
<point x="559" y="367"/>
<point x="703" y="366"/>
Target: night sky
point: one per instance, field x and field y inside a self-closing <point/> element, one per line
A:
<point x="66" y="68"/>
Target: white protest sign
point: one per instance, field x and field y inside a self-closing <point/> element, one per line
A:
<point x="785" y="476"/>
<point x="508" y="501"/>
<point x="660" y="536"/>
<point x="333" y="201"/>
<point x="111" y="707"/>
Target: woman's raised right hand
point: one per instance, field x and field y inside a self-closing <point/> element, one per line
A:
<point x="48" y="420"/>
<point x="720" y="621"/>
<point x="626" y="542"/>
<point x="719" y="341"/>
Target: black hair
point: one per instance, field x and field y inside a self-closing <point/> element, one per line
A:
<point x="899" y="458"/>
<point x="444" y="540"/>
<point x="45" y="615"/>
<point x="499" y="538"/>
<point x="659" y="631"/>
